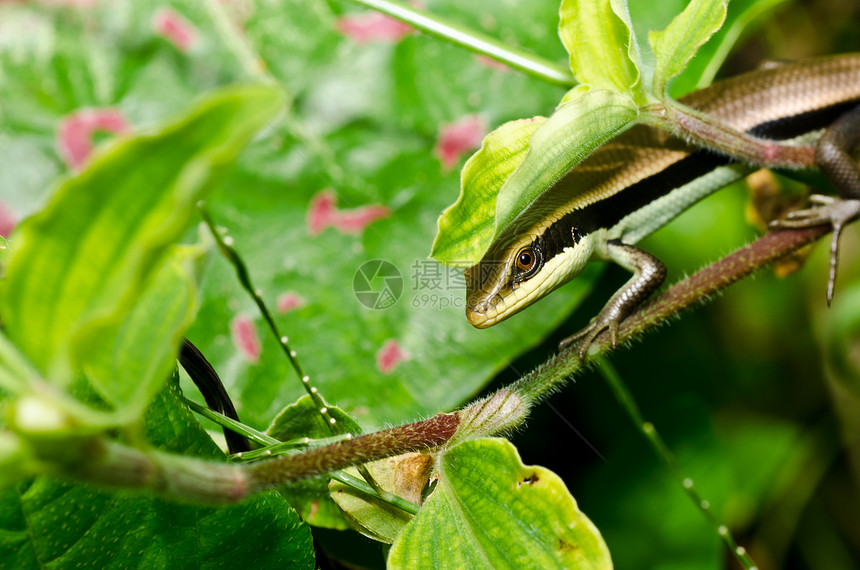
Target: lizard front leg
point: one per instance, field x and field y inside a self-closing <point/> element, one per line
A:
<point x="648" y="274"/>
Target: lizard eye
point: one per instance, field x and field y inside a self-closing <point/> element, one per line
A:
<point x="525" y="259"/>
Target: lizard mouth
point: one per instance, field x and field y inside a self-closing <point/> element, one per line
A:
<point x="484" y="301"/>
<point x="481" y="310"/>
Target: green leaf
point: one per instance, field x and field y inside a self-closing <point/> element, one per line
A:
<point x="604" y="54"/>
<point x="311" y="497"/>
<point x="78" y="266"/>
<point x="505" y="176"/>
<point x="742" y="16"/>
<point x="491" y="511"/>
<point x="129" y="364"/>
<point x="48" y="523"/>
<point x="675" y="46"/>
<point x="480" y="181"/>
<point x="303" y="419"/>
<point x="572" y="132"/>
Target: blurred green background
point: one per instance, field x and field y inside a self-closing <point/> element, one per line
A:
<point x="757" y="392"/>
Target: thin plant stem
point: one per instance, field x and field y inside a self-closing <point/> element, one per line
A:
<point x="365" y="489"/>
<point x="248" y="58"/>
<point x="625" y="398"/>
<point x="475" y="41"/>
<point x="247" y="432"/>
<point x="225" y="244"/>
<point x="288" y="446"/>
<point x="271" y="445"/>
<point x="709" y="132"/>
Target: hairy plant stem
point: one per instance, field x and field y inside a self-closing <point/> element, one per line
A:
<point x="625" y="398"/>
<point x="273" y="447"/>
<point x="706" y="131"/>
<point x="426" y="434"/>
<point x="475" y="41"/>
<point x="100" y="460"/>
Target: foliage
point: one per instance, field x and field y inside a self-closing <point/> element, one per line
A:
<point x="482" y="481"/>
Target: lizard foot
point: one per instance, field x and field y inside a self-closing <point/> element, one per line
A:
<point x="586" y="336"/>
<point x="825" y="210"/>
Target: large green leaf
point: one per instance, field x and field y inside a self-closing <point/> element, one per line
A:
<point x="579" y="126"/>
<point x="675" y="46"/>
<point x="368" y="154"/>
<point x="491" y="511"/>
<point x="604" y="54"/>
<point x="338" y="340"/>
<point x="742" y="17"/>
<point x="47" y="523"/>
<point x="78" y="267"/>
<point x="128" y="363"/>
<point x="465" y="225"/>
<point x="56" y="59"/>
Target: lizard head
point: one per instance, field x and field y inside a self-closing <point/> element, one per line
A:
<point x="523" y="265"/>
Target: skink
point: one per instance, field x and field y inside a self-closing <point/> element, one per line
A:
<point x="641" y="180"/>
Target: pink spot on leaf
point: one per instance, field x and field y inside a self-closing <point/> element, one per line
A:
<point x="245" y="337"/>
<point x="75" y="134"/>
<point x="373" y="27"/>
<point x="288" y="301"/>
<point x="172" y="26"/>
<point x="458" y="138"/>
<point x="8" y="220"/>
<point x="492" y="63"/>
<point x="323" y="213"/>
<point x="390" y="356"/>
<point x="354" y="221"/>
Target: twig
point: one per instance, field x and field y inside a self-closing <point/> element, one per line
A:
<point x="475" y="41"/>
<point x="625" y="398"/>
